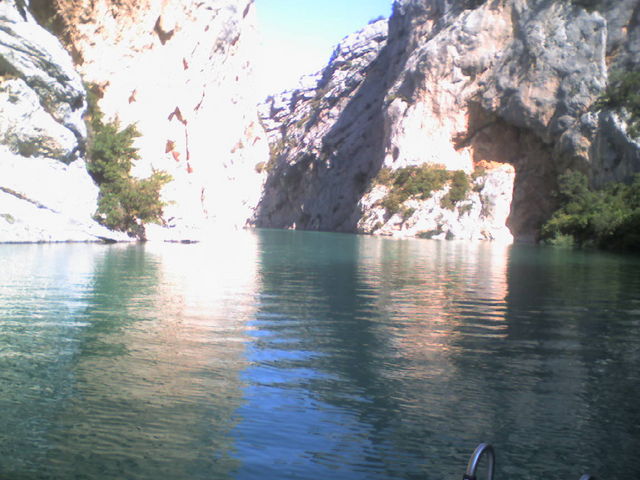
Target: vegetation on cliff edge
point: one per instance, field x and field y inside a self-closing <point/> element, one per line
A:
<point x="420" y="182"/>
<point x="607" y="218"/>
<point x="623" y="95"/>
<point x="125" y="203"/>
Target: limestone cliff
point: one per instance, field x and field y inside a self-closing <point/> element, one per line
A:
<point x="509" y="84"/>
<point x="179" y="70"/>
<point x="45" y="191"/>
<point x="502" y="90"/>
<point x="326" y="139"/>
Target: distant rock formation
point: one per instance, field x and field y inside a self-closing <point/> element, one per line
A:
<point x="326" y="141"/>
<point x="461" y="83"/>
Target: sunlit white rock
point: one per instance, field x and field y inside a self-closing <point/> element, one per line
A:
<point x="37" y="57"/>
<point x="44" y="200"/>
<point x="46" y="194"/>
<point x="181" y="72"/>
<point x="27" y="128"/>
<point x="482" y="216"/>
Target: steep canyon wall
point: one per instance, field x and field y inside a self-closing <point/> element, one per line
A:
<point x="179" y="70"/>
<point x="503" y="90"/>
<point x="45" y="191"/>
<point x="507" y="85"/>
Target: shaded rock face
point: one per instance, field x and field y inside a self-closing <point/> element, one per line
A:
<point x="457" y="83"/>
<point x="42" y="138"/>
<point x="180" y="71"/>
<point x="326" y="141"/>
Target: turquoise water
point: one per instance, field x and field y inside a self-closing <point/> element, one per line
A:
<point x="294" y="355"/>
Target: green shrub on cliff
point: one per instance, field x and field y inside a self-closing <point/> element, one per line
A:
<point x="623" y="93"/>
<point x="125" y="203"/>
<point x="458" y="190"/>
<point x="420" y="182"/>
<point x="407" y="182"/>
<point x="606" y="218"/>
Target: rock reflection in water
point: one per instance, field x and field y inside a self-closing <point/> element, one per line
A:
<point x="150" y="382"/>
<point x="369" y="345"/>
<point x="309" y="355"/>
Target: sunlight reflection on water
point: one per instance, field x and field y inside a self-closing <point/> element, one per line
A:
<point x="303" y="355"/>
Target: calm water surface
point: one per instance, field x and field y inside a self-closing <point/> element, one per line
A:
<point x="293" y="355"/>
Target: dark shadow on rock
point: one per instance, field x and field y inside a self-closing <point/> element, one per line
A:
<point x="494" y="140"/>
<point x="322" y="192"/>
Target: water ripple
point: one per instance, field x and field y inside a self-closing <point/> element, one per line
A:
<point x="306" y="356"/>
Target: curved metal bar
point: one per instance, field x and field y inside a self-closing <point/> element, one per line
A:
<point x="472" y="466"/>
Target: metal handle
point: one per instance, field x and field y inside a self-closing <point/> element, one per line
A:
<point x="482" y="449"/>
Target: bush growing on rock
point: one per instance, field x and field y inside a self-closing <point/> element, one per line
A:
<point x="125" y="203"/>
<point x="420" y="182"/>
<point x="607" y="218"/>
<point x="589" y="5"/>
<point x="623" y="93"/>
<point x="458" y="191"/>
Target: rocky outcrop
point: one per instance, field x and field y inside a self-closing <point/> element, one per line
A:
<point x="181" y="72"/>
<point x="457" y="83"/>
<point x="45" y="200"/>
<point x="506" y="85"/>
<point x="45" y="191"/>
<point x="482" y="215"/>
